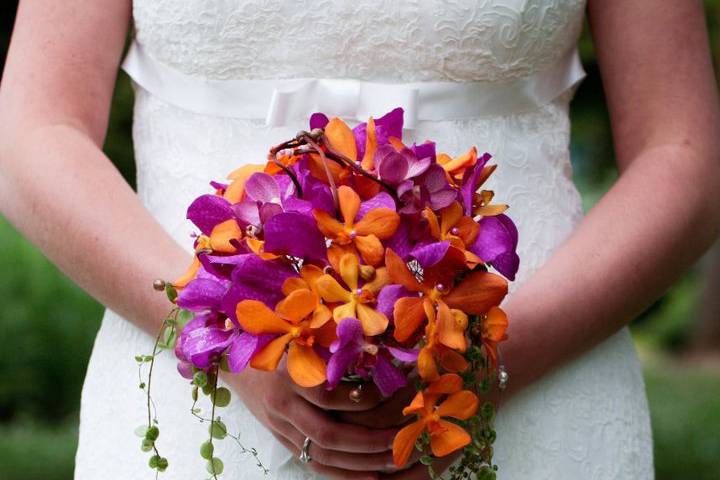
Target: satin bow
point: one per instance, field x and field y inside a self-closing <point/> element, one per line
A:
<point x="346" y="98"/>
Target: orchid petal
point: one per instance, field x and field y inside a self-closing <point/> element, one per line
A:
<point x="331" y="290"/>
<point x="201" y="294"/>
<point x="243" y="347"/>
<point x="373" y="322"/>
<point x="262" y="187"/>
<point x="206" y="211"/>
<point x="296" y="306"/>
<point x="477" y="293"/>
<point x="431" y="254"/>
<point x="304" y="365"/>
<point x="256" y="318"/>
<point x="409" y="314"/>
<point x="268" y="358"/>
<point x="404" y="442"/>
<point x="381" y="222"/>
<point x="318" y="120"/>
<point x="387" y="377"/>
<point x="349" y="266"/>
<point x="341" y="138"/>
<point x="461" y="405"/>
<point x="370" y="248"/>
<point x="452" y="438"/>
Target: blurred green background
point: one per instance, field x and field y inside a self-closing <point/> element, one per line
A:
<point x="47" y="324"/>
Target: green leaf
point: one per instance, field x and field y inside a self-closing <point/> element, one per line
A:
<point x="200" y="379"/>
<point x="146" y="445"/>
<point x="207" y="450"/>
<point x="141" y="431"/>
<point x="152" y="433"/>
<point x="487" y="411"/>
<point x="194" y="393"/>
<point x="215" y="466"/>
<point x="169" y="338"/>
<point x="426" y="460"/>
<point x="224" y="366"/>
<point x="183" y="317"/>
<point x="170" y="292"/>
<point x="153" y="462"/>
<point x="222" y="397"/>
<point x="162" y="464"/>
<point x="218" y="430"/>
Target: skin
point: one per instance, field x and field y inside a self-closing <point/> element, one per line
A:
<point x="653" y="223"/>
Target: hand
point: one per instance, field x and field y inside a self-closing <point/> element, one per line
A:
<point x="291" y="413"/>
<point x="384" y="414"/>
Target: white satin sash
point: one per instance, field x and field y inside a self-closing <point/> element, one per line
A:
<point x="286" y="101"/>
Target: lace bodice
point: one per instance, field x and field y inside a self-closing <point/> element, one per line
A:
<point x="382" y="40"/>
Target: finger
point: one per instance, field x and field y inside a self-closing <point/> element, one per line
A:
<point x="420" y="471"/>
<point x="386" y="415"/>
<point x="332" y="472"/>
<point x="328" y="433"/>
<point x="339" y="397"/>
<point x="370" y="462"/>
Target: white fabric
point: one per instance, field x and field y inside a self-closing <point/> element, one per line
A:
<point x="588" y="419"/>
<point x="288" y="101"/>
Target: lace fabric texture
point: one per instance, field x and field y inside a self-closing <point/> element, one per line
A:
<point x="588" y="419"/>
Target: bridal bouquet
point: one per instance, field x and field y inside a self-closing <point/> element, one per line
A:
<point x="360" y="259"/>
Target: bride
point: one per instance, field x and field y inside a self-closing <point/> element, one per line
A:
<point x="210" y="95"/>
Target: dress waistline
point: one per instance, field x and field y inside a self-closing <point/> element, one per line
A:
<point x="285" y="101"/>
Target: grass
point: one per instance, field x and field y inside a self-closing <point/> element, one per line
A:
<point x="34" y="451"/>
<point x="685" y="410"/>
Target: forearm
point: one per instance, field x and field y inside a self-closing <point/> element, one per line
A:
<point x="59" y="189"/>
<point x="654" y="222"/>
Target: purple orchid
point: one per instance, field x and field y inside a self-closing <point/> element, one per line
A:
<point x="395" y="167"/>
<point x="204" y="293"/>
<point x="206" y="337"/>
<point x="431" y="189"/>
<point x="496" y="244"/>
<point x="471" y="182"/>
<point x="352" y="353"/>
<point x="281" y="237"/>
<point x="255" y="279"/>
<point x="389" y="125"/>
<point x="207" y="211"/>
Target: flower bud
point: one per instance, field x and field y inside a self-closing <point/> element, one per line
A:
<point x="367" y="272"/>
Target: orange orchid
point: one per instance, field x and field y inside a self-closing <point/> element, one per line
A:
<point x="445" y="436"/>
<point x="460" y="230"/>
<point x="444" y="336"/>
<point x="476" y="293"/>
<point x="365" y="235"/>
<point x="455" y="167"/>
<point x="494" y="331"/>
<point x="300" y="324"/>
<point x="308" y="279"/>
<point x="354" y="299"/>
<point x="484" y="207"/>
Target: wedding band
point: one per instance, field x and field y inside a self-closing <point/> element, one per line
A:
<point x="304" y="455"/>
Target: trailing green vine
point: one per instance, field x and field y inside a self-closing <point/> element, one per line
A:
<point x="207" y="382"/>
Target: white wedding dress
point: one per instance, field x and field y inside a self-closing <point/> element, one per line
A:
<point x="204" y="73"/>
